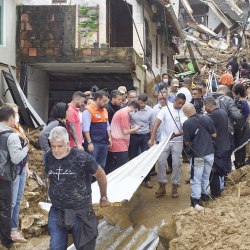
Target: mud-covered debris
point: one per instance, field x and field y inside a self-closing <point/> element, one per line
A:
<point x="33" y="135"/>
<point x="241" y="174"/>
<point x="33" y="221"/>
<point x="223" y="225"/>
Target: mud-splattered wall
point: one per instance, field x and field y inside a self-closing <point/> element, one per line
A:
<point x="44" y="31"/>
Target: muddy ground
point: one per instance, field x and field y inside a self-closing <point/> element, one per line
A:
<point x="143" y="209"/>
<point x="223" y="225"/>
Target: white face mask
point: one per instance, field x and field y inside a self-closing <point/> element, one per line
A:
<point x="17" y="118"/>
<point x="165" y="80"/>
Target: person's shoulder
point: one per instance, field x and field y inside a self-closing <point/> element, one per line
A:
<point x="180" y="90"/>
<point x="48" y="155"/>
<point x="11" y="135"/>
<point x="219" y="111"/>
<point x="120" y="113"/>
<point x="188" y="121"/>
<point x="70" y="108"/>
<point x="148" y="108"/>
<point x="107" y="105"/>
<point x="75" y="152"/>
<point x="156" y="106"/>
<point x="206" y="118"/>
<point x="52" y="123"/>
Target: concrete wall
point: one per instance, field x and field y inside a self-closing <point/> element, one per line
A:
<point x="213" y="20"/>
<point x="8" y="49"/>
<point x="38" y="91"/>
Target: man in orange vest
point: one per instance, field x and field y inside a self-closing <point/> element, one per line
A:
<point x="96" y="128"/>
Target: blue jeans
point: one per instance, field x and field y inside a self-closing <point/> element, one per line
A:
<point x="100" y="153"/>
<point x="18" y="186"/>
<point x="59" y="236"/>
<point x="120" y="158"/>
<point x="202" y="168"/>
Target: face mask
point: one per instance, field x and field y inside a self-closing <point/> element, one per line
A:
<point x="165" y="80"/>
<point x="17" y="118"/>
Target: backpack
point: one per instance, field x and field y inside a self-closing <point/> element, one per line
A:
<point x="12" y="173"/>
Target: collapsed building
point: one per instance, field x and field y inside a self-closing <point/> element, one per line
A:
<point x="215" y="31"/>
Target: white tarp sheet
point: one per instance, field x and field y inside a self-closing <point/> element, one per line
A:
<point x="124" y="181"/>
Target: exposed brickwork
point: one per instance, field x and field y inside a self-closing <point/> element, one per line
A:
<point x="45" y="31"/>
<point x="32" y="52"/>
<point x="47" y="34"/>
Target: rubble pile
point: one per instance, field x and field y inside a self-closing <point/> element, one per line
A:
<point x="33" y="220"/>
<point x="223" y="225"/>
<point x="205" y="55"/>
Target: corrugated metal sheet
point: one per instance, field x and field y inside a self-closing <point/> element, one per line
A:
<point x="124" y="181"/>
<point x="113" y="238"/>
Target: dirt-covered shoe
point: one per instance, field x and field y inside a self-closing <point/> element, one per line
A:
<point x="174" y="191"/>
<point x="18" y="237"/>
<point x="199" y="208"/>
<point x="148" y="184"/>
<point x="161" y="190"/>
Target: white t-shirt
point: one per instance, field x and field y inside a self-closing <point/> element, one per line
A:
<point x="186" y="92"/>
<point x="168" y="125"/>
<point x="157" y="108"/>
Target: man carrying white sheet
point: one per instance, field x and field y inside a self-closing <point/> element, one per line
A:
<point x="172" y="117"/>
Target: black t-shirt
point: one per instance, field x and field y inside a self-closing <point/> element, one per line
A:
<point x="198" y="104"/>
<point x="112" y="109"/>
<point x="220" y="120"/>
<point x="70" y="179"/>
<point x="197" y="131"/>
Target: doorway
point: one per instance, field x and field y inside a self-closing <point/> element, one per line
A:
<point x="119" y="24"/>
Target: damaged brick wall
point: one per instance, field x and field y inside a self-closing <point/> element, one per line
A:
<point x="46" y="31"/>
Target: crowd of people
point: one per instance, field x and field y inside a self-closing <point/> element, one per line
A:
<point x="99" y="132"/>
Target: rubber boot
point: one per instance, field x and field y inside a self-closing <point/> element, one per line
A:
<point x="174" y="191"/>
<point x="161" y="190"/>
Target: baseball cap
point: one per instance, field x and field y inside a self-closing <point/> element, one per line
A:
<point x="175" y="83"/>
<point x="122" y="89"/>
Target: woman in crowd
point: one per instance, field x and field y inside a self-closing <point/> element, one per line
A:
<point x="18" y="184"/>
<point x="57" y="118"/>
